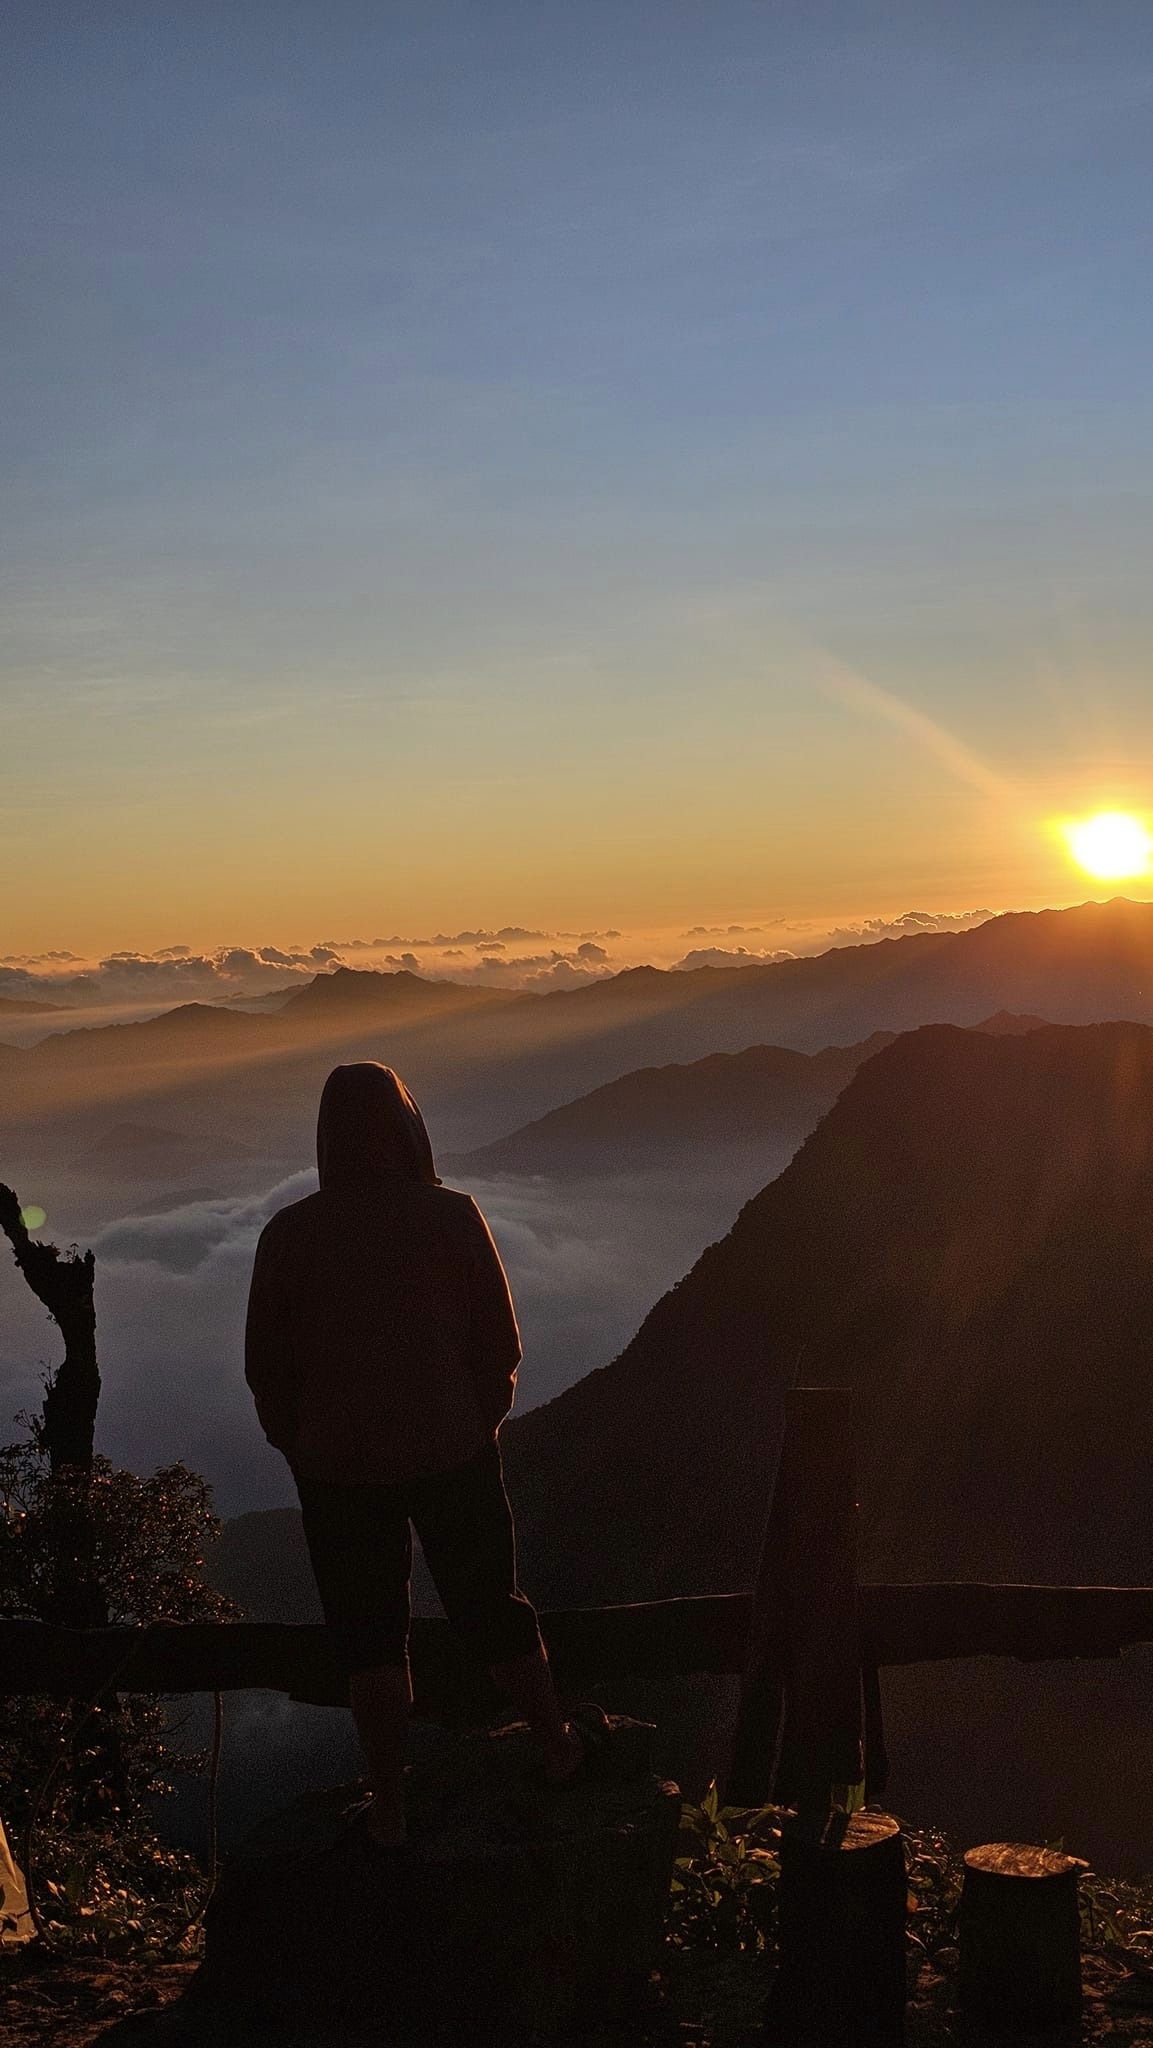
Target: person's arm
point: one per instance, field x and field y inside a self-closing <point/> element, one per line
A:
<point x="494" y="1339"/>
<point x="269" y="1364"/>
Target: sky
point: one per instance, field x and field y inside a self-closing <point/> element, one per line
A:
<point x="623" y="465"/>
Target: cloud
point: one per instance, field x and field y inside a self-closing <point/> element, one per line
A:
<point x="721" y="931"/>
<point x="565" y="973"/>
<point x="60" y="956"/>
<point x="181" y="1239"/>
<point x="170" y="975"/>
<point x="585" y="1264"/>
<point x="736" y="956"/>
<point x="515" y="934"/>
<point x="554" y="969"/>
<point x="907" y="924"/>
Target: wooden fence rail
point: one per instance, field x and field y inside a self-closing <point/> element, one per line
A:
<point x="903" y="1624"/>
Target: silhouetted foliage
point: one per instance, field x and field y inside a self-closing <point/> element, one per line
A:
<point x="149" y="1540"/>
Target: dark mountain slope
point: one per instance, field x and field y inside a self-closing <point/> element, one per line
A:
<point x="189" y="1034"/>
<point x="967" y="1239"/>
<point x="739" y="1107"/>
<point x="763" y="1098"/>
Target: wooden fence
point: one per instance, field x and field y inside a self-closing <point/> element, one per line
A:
<point x="808" y="1642"/>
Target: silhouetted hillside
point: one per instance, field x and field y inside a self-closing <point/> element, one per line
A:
<point x="747" y="1106"/>
<point x="364" y="995"/>
<point x="133" y="1152"/>
<point x="1008" y="1025"/>
<point x="967" y="1240"/>
<point x="16" y="1006"/>
<point x="751" y="1102"/>
<point x="192" y="1033"/>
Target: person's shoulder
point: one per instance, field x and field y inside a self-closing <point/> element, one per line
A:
<point x="449" y="1202"/>
<point x="283" y="1223"/>
<point x="454" y="1210"/>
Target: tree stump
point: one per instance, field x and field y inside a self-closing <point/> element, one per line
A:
<point x="523" y="1908"/>
<point x="1020" y="1961"/>
<point x="842" y="1974"/>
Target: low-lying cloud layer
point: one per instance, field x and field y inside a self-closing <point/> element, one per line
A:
<point x="171" y="974"/>
<point x="510" y="956"/>
<point x="585" y="1263"/>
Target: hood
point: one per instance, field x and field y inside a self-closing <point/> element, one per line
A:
<point x="369" y="1125"/>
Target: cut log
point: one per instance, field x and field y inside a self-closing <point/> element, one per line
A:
<point x="1020" y="1962"/>
<point x="841" y="1978"/>
<point x="523" y="1908"/>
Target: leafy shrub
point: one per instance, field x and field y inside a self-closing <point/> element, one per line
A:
<point x="84" y="1773"/>
<point x="105" y="1893"/>
<point x="724" y="1887"/>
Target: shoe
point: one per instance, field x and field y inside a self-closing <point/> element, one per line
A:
<point x="592" y="1727"/>
<point x="361" y="1832"/>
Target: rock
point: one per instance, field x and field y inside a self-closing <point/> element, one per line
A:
<point x="521" y="1908"/>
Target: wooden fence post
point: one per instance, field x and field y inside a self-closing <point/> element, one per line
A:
<point x="799" y="1726"/>
<point x="840" y="1980"/>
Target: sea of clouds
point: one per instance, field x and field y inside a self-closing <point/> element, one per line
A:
<point x="510" y="957"/>
<point x="586" y="1262"/>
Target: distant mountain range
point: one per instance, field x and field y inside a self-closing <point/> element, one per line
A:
<point x="483" y="1061"/>
<point x="764" y="1099"/>
<point x="140" y="1152"/>
<point x="357" y="994"/>
<point x="744" y="1108"/>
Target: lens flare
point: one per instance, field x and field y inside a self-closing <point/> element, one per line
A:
<point x="33" y="1217"/>
<point x="1112" y="845"/>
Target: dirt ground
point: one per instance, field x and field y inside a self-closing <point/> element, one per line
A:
<point x="719" y="2005"/>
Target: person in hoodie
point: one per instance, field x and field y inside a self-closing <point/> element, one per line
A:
<point x="382" y="1351"/>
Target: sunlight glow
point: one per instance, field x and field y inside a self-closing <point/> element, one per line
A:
<point x="1112" y="845"/>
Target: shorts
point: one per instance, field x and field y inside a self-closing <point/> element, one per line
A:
<point x="360" y="1543"/>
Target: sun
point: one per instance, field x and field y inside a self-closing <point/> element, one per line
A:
<point x="1111" y="845"/>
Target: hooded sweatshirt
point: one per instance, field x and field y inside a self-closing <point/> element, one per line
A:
<point x="381" y="1341"/>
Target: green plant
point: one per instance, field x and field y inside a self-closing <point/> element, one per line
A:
<point x="933" y="1873"/>
<point x="724" y="1886"/>
<point x="105" y="1893"/>
<point x="78" y="1778"/>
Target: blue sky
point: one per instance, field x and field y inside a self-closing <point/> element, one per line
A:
<point x="502" y="414"/>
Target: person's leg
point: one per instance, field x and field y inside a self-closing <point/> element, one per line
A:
<point x="381" y="1702"/>
<point x="527" y="1682"/>
<point x="465" y="1525"/>
<point x="360" y="1546"/>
